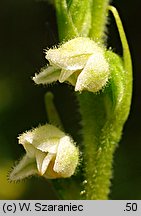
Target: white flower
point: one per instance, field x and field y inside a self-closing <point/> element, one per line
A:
<point x="49" y="153"/>
<point x="80" y="61"/>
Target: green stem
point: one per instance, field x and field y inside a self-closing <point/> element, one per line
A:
<point x="99" y="19"/>
<point x="73" y="17"/>
<point x="92" y="109"/>
<point x="103" y="120"/>
<point x="66" y="27"/>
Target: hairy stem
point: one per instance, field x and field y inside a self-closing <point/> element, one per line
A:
<point x="103" y="117"/>
<point x="73" y="17"/>
<point x="99" y="19"/>
<point x="93" y="113"/>
<point x="66" y="27"/>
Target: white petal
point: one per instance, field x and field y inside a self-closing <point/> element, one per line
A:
<point x="26" y="167"/>
<point x="80" y="46"/>
<point x="26" y="138"/>
<point x="30" y="149"/>
<point x="48" y="134"/>
<point x="43" y="161"/>
<point x="74" y="47"/>
<point x="95" y="74"/>
<point x="47" y="75"/>
<point x="49" y="146"/>
<point x="46" y="162"/>
<point x="73" y="54"/>
<point x="65" y="74"/>
<point x="66" y="158"/>
<point x="39" y="159"/>
<point x="68" y="63"/>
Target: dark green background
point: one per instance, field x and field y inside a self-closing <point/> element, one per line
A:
<point x="26" y="29"/>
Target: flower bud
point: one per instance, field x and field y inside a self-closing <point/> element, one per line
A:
<point x="49" y="153"/>
<point x="80" y="61"/>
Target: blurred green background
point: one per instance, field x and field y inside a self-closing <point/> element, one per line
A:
<point x="26" y="29"/>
